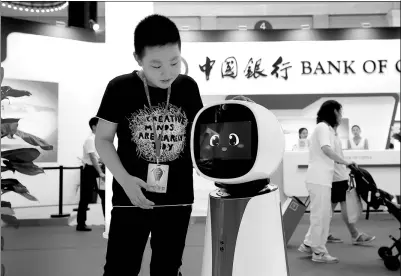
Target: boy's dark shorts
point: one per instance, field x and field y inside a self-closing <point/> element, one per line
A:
<point x="339" y="191"/>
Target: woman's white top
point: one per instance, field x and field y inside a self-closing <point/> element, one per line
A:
<point x="320" y="166"/>
<point x="360" y="146"/>
<point x="302" y="145"/>
<point x="340" y="171"/>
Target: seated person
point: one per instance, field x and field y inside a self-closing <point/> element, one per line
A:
<point x="303" y="142"/>
<point x="395" y="140"/>
<point x="357" y="142"/>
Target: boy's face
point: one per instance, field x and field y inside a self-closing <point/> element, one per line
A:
<point x="161" y="64"/>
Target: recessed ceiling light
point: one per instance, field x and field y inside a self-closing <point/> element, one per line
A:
<point x="35" y="6"/>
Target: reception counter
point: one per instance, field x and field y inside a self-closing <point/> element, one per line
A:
<point x="383" y="165"/>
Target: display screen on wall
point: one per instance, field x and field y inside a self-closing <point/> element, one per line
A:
<point x="29" y="114"/>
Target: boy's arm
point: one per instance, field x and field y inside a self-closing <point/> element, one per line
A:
<point x="197" y="104"/>
<point x="105" y="133"/>
<point x="109" y="114"/>
<point x="198" y="99"/>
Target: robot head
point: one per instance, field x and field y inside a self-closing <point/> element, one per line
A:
<point x="234" y="142"/>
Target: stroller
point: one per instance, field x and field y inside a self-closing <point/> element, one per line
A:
<point x="375" y="197"/>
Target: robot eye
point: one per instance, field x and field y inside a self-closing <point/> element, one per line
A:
<point x="234" y="140"/>
<point x="214" y="140"/>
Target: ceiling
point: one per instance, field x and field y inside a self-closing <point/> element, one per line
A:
<point x="187" y="8"/>
<point x="63" y="13"/>
<point x="101" y="8"/>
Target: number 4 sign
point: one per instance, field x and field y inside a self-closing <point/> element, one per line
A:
<point x="263" y="25"/>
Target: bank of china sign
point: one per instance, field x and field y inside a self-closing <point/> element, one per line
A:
<point x="281" y="68"/>
<point x="232" y="66"/>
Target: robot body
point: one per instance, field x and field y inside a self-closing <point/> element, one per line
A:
<point x="244" y="235"/>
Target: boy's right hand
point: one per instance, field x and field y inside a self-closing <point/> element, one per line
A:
<point x="132" y="188"/>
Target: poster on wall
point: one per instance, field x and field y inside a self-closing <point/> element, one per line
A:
<point x="29" y="115"/>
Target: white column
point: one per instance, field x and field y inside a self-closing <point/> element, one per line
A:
<point x="121" y="20"/>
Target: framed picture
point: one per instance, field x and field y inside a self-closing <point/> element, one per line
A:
<point x="29" y="113"/>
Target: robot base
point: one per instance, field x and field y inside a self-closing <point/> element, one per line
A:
<point x="244" y="235"/>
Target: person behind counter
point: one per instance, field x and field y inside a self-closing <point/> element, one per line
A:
<point x="358" y="142"/>
<point x="303" y="142"/>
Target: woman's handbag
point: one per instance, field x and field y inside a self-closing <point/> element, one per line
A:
<point x="353" y="202"/>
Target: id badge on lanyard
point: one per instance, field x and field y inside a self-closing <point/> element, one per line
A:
<point x="157" y="173"/>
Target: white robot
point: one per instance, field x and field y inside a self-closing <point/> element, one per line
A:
<point x="238" y="145"/>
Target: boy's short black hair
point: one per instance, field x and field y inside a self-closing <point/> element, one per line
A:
<point x="326" y="112"/>
<point x="155" y="30"/>
<point x="93" y="122"/>
<point x="356" y="126"/>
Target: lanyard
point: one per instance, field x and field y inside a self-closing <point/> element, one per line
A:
<point x="157" y="138"/>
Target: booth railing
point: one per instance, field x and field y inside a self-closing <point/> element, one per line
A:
<point x="61" y="187"/>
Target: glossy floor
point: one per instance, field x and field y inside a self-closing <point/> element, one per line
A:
<point x="61" y="251"/>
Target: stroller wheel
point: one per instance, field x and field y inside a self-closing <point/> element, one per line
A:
<point x="392" y="263"/>
<point x="385" y="252"/>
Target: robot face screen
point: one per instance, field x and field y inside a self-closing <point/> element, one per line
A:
<point x="225" y="144"/>
<point x="226" y="141"/>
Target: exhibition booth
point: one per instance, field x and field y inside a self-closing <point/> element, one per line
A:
<point x="290" y="72"/>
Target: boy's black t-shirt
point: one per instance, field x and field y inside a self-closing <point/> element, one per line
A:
<point x="124" y="103"/>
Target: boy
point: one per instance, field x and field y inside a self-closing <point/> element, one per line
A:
<point x="153" y="182"/>
<point x="338" y="195"/>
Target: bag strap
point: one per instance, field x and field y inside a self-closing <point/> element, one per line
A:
<point x="307" y="201"/>
<point x="352" y="181"/>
